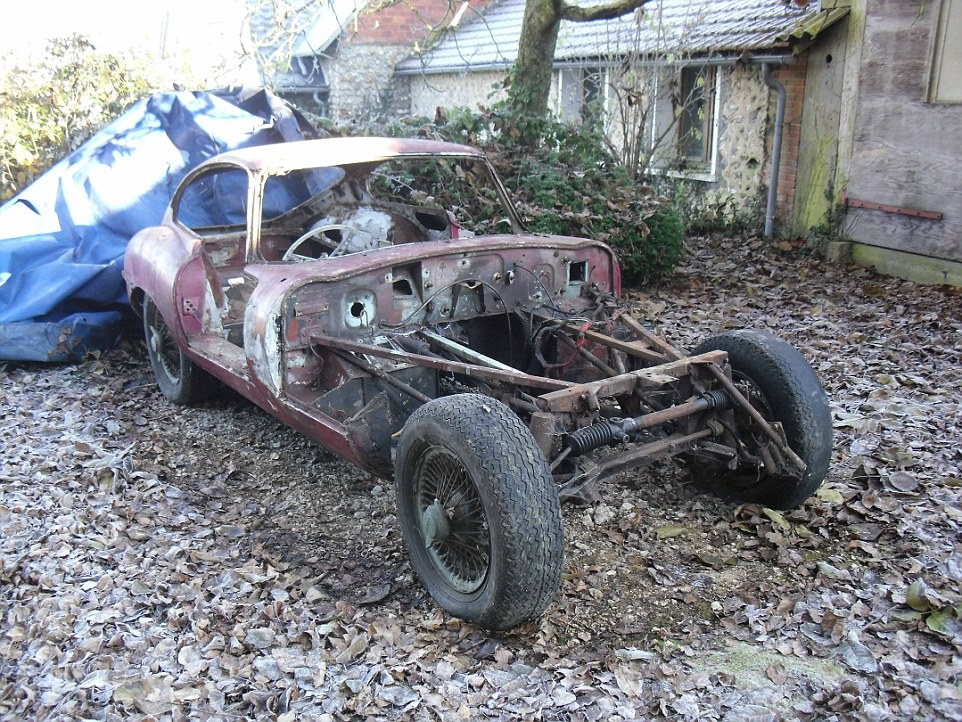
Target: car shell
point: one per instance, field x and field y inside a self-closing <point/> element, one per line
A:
<point x="170" y="264"/>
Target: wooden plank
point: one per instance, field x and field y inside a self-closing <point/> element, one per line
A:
<point x="906" y="152"/>
<point x="937" y="239"/>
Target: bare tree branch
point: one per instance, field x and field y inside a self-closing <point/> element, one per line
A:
<point x="606" y="11"/>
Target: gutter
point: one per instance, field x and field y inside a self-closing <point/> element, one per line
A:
<point x="727" y="61"/>
<point x="776" y="147"/>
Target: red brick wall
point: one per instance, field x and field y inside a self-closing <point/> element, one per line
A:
<point x="406" y="22"/>
<point x="793" y="78"/>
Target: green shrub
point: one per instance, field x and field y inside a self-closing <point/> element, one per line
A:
<point x="49" y="109"/>
<point x="646" y="258"/>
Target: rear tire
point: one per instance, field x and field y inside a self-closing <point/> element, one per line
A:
<point x="783" y="388"/>
<point x="178" y="378"/>
<point x="479" y="511"/>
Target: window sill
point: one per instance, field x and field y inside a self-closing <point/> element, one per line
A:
<point x="703" y="175"/>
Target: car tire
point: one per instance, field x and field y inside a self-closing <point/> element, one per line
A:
<point x="785" y="389"/>
<point x="479" y="511"/>
<point x="178" y="378"/>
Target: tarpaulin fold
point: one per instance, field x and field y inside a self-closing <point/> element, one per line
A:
<point x="62" y="239"/>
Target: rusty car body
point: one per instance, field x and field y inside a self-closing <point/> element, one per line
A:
<point x="382" y="297"/>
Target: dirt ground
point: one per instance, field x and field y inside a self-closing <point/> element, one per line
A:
<point x="167" y="563"/>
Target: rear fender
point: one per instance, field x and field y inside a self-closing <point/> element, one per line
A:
<point x="154" y="263"/>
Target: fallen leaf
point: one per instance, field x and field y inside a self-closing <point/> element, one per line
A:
<point x="902" y="481"/>
<point x="667" y="532"/>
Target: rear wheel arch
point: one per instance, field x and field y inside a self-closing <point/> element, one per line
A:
<point x="180" y="380"/>
<point x="136" y="298"/>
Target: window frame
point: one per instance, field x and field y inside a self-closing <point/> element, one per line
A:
<point x="947" y="37"/>
<point x="665" y="164"/>
<point x="698" y="99"/>
<point x="208" y="174"/>
<point x="574" y="106"/>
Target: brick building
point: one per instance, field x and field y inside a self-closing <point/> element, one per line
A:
<point x="342" y="62"/>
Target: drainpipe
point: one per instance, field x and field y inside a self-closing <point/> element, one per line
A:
<point x="776" y="147"/>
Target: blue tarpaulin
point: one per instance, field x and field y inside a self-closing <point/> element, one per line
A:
<point x="62" y="239"/>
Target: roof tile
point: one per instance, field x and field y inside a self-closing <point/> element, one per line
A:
<point x="661" y="28"/>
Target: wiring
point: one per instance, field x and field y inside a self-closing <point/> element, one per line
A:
<point x="547" y="293"/>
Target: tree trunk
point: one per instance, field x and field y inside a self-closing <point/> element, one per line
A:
<point x="532" y="73"/>
<point x="539" y="36"/>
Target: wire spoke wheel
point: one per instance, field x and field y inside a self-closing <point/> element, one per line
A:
<point x="177" y="377"/>
<point x="479" y="511"/>
<point x="451" y="519"/>
<point x="162" y="346"/>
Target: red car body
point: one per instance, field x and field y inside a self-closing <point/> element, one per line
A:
<point x="382" y="297"/>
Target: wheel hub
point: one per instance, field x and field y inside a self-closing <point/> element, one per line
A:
<point x="436" y="526"/>
<point x="451" y="520"/>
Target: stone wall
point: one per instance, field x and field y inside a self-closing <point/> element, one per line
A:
<point x="746" y="133"/>
<point x="741" y="141"/>
<point x="363" y="84"/>
<point x="468" y="90"/>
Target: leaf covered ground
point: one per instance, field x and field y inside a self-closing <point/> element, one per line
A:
<point x="161" y="563"/>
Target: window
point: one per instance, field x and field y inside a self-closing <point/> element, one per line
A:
<point x="658" y="117"/>
<point x="582" y="94"/>
<point x="684" y="120"/>
<point x="593" y="94"/>
<point x="214" y="201"/>
<point x="946" y="82"/>
<point x="695" y="114"/>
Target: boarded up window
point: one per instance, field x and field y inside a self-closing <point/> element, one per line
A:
<point x="946" y="85"/>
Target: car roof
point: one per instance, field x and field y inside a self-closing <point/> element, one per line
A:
<point x="331" y="152"/>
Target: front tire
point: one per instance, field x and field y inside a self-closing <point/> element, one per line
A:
<point x="178" y="378"/>
<point x="479" y="511"/>
<point x="783" y="387"/>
